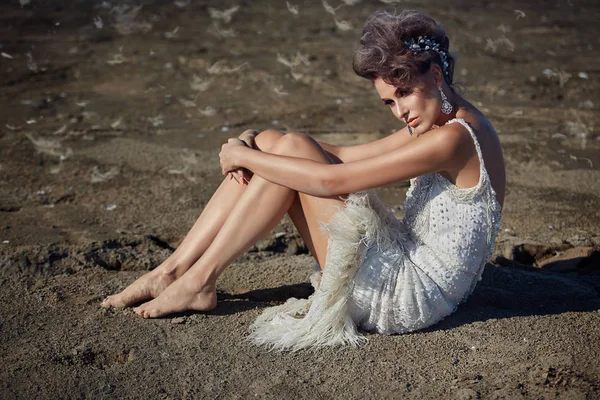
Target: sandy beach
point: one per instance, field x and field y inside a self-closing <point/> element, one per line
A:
<point x="111" y="118"/>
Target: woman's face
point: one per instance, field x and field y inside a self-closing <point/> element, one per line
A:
<point x="418" y="106"/>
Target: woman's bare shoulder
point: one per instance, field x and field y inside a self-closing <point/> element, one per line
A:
<point x="491" y="149"/>
<point x="477" y="120"/>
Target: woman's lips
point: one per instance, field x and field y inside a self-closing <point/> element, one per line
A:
<point x="413" y="122"/>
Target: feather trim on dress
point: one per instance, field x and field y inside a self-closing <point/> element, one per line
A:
<point x="324" y="319"/>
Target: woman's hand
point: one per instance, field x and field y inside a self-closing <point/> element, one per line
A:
<point x="248" y="137"/>
<point x="242" y="175"/>
<point x="228" y="163"/>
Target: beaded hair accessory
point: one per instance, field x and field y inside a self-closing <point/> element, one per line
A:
<point x="423" y="43"/>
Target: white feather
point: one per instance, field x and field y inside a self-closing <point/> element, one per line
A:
<point x="324" y="319"/>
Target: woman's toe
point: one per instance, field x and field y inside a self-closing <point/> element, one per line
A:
<point x="105" y="302"/>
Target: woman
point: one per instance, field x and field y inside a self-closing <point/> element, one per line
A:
<point x="378" y="273"/>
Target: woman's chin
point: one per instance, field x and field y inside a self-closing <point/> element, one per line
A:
<point x="421" y="128"/>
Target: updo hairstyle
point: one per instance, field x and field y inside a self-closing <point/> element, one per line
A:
<point x="383" y="53"/>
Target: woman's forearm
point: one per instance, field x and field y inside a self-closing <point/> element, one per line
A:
<point x="437" y="151"/>
<point x="331" y="149"/>
<point x="300" y="174"/>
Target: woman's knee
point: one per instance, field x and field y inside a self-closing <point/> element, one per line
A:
<point x="290" y="144"/>
<point x="266" y="139"/>
<point x="299" y="145"/>
<point x="293" y="141"/>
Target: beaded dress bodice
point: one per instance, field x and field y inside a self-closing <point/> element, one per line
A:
<point x="459" y="225"/>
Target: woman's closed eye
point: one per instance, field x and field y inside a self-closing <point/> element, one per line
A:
<point x="400" y="92"/>
<point x="388" y="102"/>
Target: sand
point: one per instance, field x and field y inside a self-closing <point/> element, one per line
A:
<point x="111" y="120"/>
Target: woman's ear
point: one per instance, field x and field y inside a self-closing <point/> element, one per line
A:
<point x="436" y="74"/>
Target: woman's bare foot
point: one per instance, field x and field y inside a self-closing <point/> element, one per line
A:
<point x="148" y="286"/>
<point x="180" y="296"/>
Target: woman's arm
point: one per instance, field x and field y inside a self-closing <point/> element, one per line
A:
<point x="438" y="150"/>
<point x="367" y="150"/>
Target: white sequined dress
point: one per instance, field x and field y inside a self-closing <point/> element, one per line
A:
<point x="388" y="275"/>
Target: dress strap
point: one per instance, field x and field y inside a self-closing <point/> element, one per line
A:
<point x="482" y="170"/>
<point x="492" y="204"/>
<point x="477" y="147"/>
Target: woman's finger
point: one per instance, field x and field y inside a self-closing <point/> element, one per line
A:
<point x="248" y="137"/>
<point x="236" y="141"/>
<point x="246" y="175"/>
<point x="238" y="177"/>
<point x="250" y="132"/>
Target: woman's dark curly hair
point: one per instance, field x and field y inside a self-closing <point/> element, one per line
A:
<point x="383" y="53"/>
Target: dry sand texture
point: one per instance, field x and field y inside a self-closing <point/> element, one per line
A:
<point x="111" y="116"/>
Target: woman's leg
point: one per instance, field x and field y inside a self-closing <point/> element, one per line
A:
<point x="205" y="229"/>
<point x="259" y="208"/>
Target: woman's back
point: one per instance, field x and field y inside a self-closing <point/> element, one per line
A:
<point x="490" y="149"/>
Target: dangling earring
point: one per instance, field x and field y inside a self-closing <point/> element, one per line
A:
<point x="446" y="106"/>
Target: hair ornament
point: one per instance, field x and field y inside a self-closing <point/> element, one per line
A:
<point x="423" y="43"/>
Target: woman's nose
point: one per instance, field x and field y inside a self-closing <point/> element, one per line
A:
<point x="399" y="113"/>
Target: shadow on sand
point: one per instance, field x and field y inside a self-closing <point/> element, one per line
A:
<point x="503" y="292"/>
<point x="506" y="292"/>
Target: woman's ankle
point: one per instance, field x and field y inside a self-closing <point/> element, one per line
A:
<point x="200" y="281"/>
<point x="172" y="268"/>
